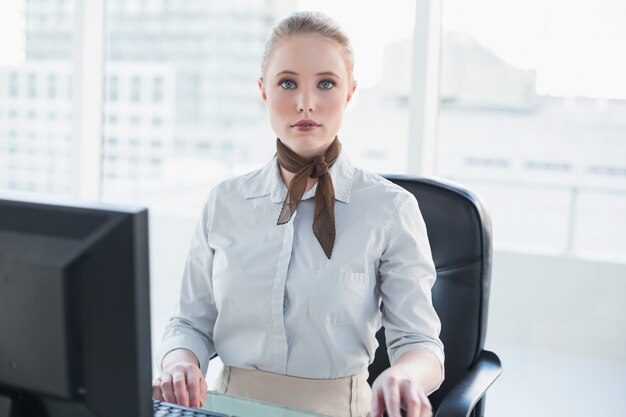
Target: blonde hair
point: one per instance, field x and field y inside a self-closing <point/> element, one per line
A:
<point x="308" y="23"/>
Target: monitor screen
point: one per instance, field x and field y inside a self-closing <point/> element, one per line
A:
<point x="74" y="310"/>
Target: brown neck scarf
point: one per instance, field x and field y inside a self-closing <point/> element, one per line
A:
<point x="324" y="217"/>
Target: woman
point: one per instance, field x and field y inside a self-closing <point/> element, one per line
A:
<point x="289" y="263"/>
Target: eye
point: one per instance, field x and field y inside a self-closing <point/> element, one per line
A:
<point x="326" y="84"/>
<point x="288" y="84"/>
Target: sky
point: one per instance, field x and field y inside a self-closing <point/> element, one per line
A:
<point x="577" y="47"/>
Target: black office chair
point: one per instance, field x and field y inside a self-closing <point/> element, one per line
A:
<point x="459" y="230"/>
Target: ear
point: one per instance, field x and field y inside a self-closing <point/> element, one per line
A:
<point x="351" y="92"/>
<point x="262" y="88"/>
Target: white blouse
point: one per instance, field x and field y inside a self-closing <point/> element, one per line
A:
<point x="266" y="297"/>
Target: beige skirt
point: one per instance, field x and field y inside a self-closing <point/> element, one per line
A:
<point x="343" y="397"/>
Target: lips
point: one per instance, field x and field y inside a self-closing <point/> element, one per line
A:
<point x="306" y="123"/>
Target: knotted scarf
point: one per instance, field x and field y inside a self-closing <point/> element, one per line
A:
<point x="324" y="216"/>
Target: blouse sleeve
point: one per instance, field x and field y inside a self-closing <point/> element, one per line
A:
<point x="407" y="274"/>
<point x="191" y="324"/>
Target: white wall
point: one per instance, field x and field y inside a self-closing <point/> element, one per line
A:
<point x="559" y="326"/>
<point x="170" y="236"/>
<point x="558" y="304"/>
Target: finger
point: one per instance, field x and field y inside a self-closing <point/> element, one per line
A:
<point x="426" y="407"/>
<point x="167" y="389"/>
<point x="193" y="387"/>
<point x="377" y="402"/>
<point x="203" y="390"/>
<point x="180" y="390"/>
<point x="410" y="399"/>
<point x="392" y="397"/>
<point x="156" y="390"/>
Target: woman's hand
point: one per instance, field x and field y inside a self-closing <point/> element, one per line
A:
<point x="181" y="381"/>
<point x="394" y="388"/>
<point x="405" y="385"/>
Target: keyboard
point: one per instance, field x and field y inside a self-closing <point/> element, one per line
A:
<point x="163" y="409"/>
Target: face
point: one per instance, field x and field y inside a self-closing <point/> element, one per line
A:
<point x="306" y="88"/>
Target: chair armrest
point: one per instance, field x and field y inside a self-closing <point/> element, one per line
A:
<point x="460" y="400"/>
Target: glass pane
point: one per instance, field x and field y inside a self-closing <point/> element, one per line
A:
<point x="533" y="115"/>
<point x="182" y="109"/>
<point x="36" y="102"/>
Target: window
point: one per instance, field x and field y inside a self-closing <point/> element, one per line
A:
<point x="177" y="88"/>
<point x="13" y="85"/>
<point x="113" y="88"/>
<point x="32" y="85"/>
<point x="42" y="60"/>
<point x="533" y="116"/>
<point x="135" y="89"/>
<point x="52" y="86"/>
<point x="157" y="90"/>
<point x="69" y="83"/>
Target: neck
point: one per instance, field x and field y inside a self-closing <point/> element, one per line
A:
<point x="306" y="154"/>
<point x="309" y="154"/>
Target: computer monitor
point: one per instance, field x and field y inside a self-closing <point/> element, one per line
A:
<point x="74" y="310"/>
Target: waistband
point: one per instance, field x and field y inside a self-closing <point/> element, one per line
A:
<point x="349" y="396"/>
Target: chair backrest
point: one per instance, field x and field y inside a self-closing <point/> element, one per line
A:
<point x="459" y="231"/>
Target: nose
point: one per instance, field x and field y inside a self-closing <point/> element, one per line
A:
<point x="305" y="102"/>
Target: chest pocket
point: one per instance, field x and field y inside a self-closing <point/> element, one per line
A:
<point x="338" y="297"/>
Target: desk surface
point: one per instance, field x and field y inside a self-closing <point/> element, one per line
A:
<point x="244" y="407"/>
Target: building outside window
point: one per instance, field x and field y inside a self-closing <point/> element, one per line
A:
<point x="535" y="127"/>
<point x="35" y="66"/>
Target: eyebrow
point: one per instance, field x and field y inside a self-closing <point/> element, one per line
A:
<point x="288" y="72"/>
